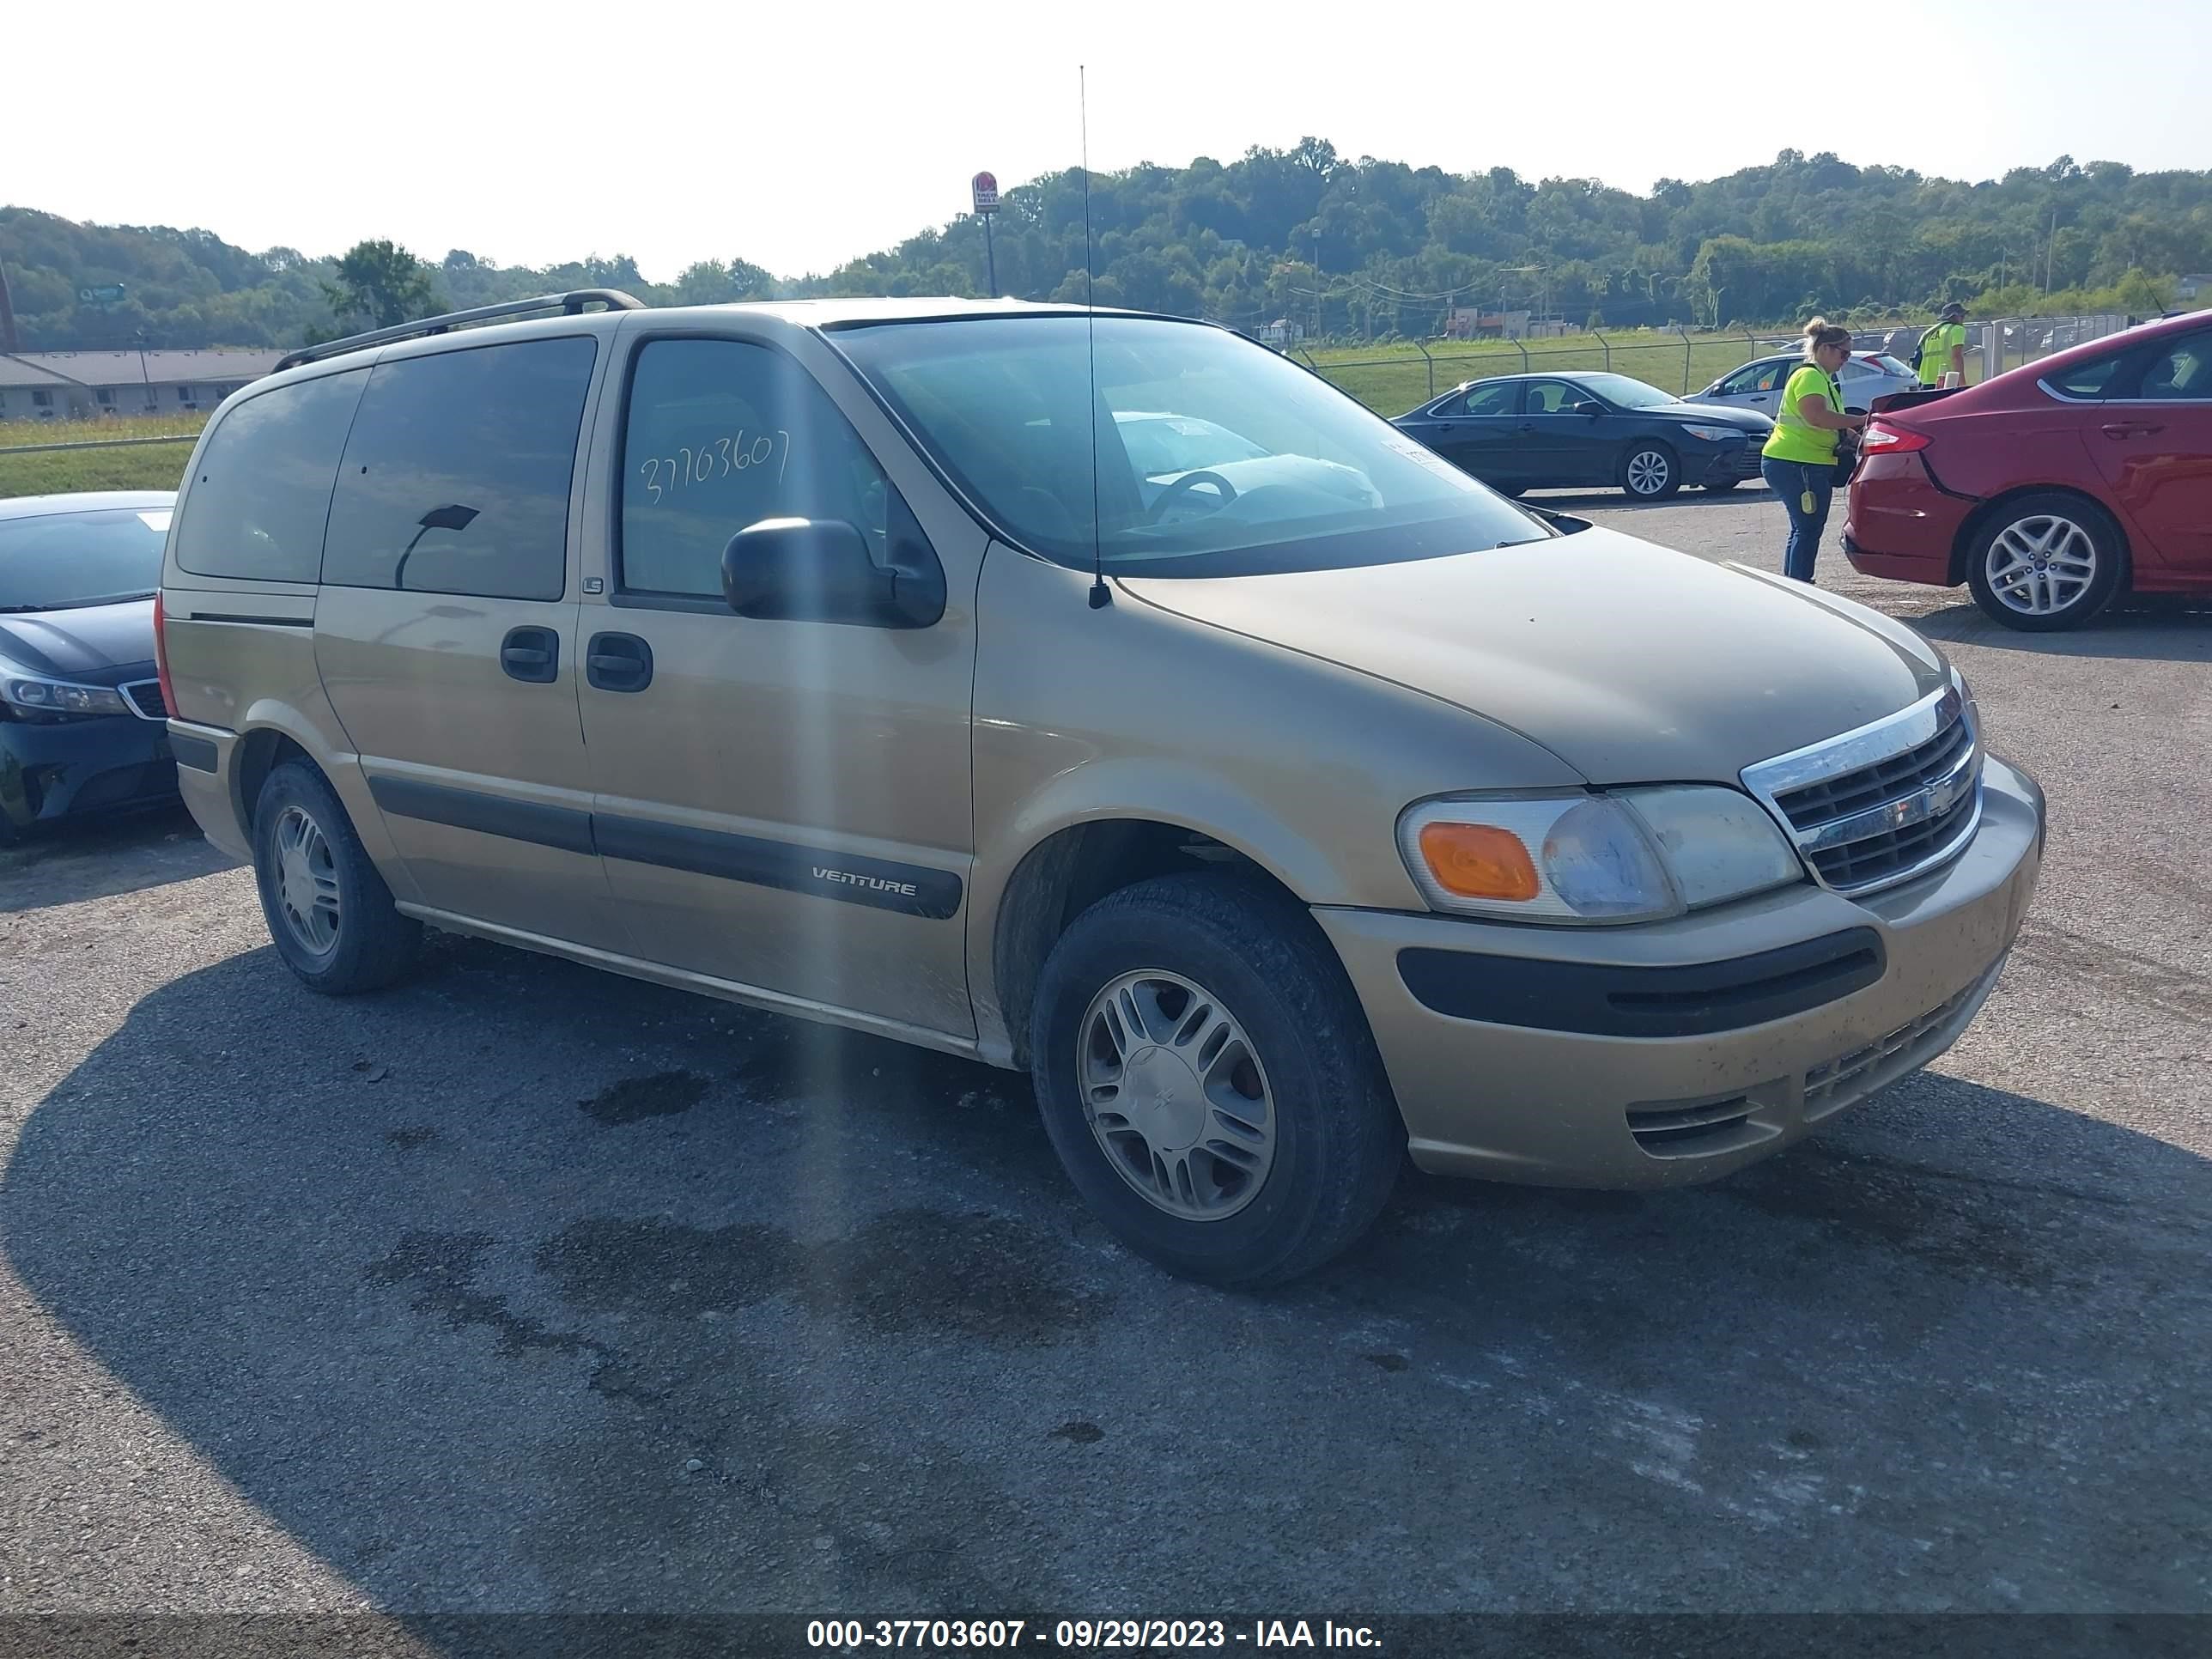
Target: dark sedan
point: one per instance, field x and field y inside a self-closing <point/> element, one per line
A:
<point x="83" y="727"/>
<point x="1561" y="431"/>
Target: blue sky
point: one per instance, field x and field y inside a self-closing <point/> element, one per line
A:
<point x="799" y="138"/>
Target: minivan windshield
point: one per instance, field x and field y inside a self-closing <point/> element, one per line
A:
<point x="1215" y="456"/>
<point x="59" y="559"/>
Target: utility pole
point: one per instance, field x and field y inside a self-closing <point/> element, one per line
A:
<point x="2051" y="254"/>
<point x="1316" y="333"/>
<point x="7" y="342"/>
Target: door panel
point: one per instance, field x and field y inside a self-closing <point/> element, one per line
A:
<point x="445" y="632"/>
<point x="2154" y="450"/>
<point x="1478" y="435"/>
<point x="785" y="805"/>
<point x="1557" y="448"/>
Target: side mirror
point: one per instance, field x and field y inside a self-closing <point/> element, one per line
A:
<point x="818" y="570"/>
<point x="1587" y="408"/>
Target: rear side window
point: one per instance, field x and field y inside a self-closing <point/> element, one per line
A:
<point x="257" y="506"/>
<point x="720" y="434"/>
<point x="456" y="478"/>
<point x="2092" y="380"/>
<point x="2180" y="374"/>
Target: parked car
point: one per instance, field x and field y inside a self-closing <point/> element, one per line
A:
<point x="2052" y="487"/>
<point x="802" y="655"/>
<point x="1758" y="384"/>
<point x="82" y="724"/>
<point x="1522" y="432"/>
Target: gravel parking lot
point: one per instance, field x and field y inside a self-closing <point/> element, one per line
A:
<point x="527" y="1288"/>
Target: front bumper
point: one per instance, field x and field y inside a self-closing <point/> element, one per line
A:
<point x="1588" y="1107"/>
<point x="1727" y="463"/>
<point x="72" y="769"/>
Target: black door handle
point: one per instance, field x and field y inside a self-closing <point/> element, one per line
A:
<point x="530" y="654"/>
<point x="618" y="662"/>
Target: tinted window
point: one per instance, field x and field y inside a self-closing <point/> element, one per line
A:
<point x="2183" y="372"/>
<point x="722" y="433"/>
<point x="1496" y="398"/>
<point x="456" y="478"/>
<point x="258" y="504"/>
<point x="2091" y="380"/>
<point x="1553" y="397"/>
<point x="61" y="559"/>
<point x="1627" y="393"/>
<point x="1013" y="410"/>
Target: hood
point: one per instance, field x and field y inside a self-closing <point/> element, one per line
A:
<point x="82" y="643"/>
<point x="1748" y="420"/>
<point x="1631" y="663"/>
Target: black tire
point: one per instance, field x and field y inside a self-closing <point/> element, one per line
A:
<point x="1634" y="462"/>
<point x="2049" y="506"/>
<point x="374" y="944"/>
<point x="1339" y="1139"/>
<point x="1720" y="486"/>
<point x="1512" y="492"/>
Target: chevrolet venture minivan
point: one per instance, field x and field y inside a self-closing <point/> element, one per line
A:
<point x="1090" y="693"/>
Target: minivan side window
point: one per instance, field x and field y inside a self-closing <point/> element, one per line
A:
<point x="257" y="503"/>
<point x="720" y="434"/>
<point x="456" y="478"/>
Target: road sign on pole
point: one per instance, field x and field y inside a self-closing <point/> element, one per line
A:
<point x="983" y="190"/>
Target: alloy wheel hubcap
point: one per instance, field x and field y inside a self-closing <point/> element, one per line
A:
<point x="306" y="881"/>
<point x="1647" y="472"/>
<point x="1175" y="1095"/>
<point x="2039" y="566"/>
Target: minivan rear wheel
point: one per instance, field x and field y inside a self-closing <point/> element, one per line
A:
<point x="2046" y="562"/>
<point x="329" y="914"/>
<point x="1207" y="1078"/>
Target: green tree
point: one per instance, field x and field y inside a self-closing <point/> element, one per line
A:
<point x="381" y="283"/>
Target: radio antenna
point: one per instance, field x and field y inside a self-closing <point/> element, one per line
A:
<point x="1101" y="595"/>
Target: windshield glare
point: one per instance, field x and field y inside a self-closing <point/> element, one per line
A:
<point x="1623" y="393"/>
<point x="1215" y="456"/>
<point x="63" y="559"/>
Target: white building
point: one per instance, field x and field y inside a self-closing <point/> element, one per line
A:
<point x="83" y="386"/>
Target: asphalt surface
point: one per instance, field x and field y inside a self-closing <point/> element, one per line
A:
<point x="527" y="1288"/>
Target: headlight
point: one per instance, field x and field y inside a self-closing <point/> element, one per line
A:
<point x="1639" y="855"/>
<point x="35" y="695"/>
<point x="1714" y="434"/>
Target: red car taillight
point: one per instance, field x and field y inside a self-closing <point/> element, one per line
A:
<point x="161" y="659"/>
<point x="1882" y="439"/>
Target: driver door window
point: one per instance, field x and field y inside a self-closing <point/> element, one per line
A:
<point x="720" y="434"/>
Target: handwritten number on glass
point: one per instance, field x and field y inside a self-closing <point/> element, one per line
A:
<point x="665" y="475"/>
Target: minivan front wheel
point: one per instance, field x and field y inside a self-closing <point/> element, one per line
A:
<point x="1207" y="1078"/>
<point x="329" y="915"/>
<point x="2044" y="562"/>
<point x="1649" y="473"/>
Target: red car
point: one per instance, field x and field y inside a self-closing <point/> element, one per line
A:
<point x="2052" y="487"/>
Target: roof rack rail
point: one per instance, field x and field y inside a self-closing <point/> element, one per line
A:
<point x="570" y="304"/>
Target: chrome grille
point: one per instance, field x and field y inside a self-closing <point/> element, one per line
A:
<point x="144" y="697"/>
<point x="1885" y="803"/>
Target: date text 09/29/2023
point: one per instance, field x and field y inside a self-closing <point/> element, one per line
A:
<point x="853" y="1635"/>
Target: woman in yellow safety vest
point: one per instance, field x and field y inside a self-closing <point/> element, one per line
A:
<point x="1799" y="461"/>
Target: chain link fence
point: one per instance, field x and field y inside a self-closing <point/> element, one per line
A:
<point x="1394" y="379"/>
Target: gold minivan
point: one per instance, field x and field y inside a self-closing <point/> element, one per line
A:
<point x="1096" y="694"/>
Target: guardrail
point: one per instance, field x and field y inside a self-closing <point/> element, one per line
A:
<point x="98" y="443"/>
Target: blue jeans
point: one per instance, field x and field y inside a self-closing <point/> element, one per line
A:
<point x="1793" y="481"/>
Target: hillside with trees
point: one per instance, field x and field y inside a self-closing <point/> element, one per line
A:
<point x="1362" y="248"/>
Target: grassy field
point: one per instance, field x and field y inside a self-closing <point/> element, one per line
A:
<point x="1393" y="379"/>
<point x="151" y="466"/>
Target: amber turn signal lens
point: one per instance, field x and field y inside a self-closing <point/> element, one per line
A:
<point x="1479" y="860"/>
